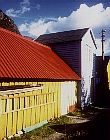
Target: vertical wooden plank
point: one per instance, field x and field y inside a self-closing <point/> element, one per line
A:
<point x="24" y="111"/>
<point x="48" y="109"/>
<point x="33" y="109"/>
<point x="36" y="110"/>
<point x="53" y="99"/>
<point x="59" y="99"/>
<point x="3" y="120"/>
<point x="53" y="85"/>
<point x="3" y="126"/>
<point x="18" y="113"/>
<point x="52" y="105"/>
<point x="53" y="92"/>
<point x="3" y="103"/>
<point x="27" y="110"/>
<point x="40" y="98"/>
<point x="43" y="111"/>
<point x="56" y="101"/>
<point x="45" y="107"/>
<point x="15" y="115"/>
<point x="9" y="123"/>
<point x="36" y="107"/>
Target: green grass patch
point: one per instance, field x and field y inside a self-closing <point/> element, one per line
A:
<point x="76" y="113"/>
<point x="45" y="130"/>
<point x="61" y="120"/>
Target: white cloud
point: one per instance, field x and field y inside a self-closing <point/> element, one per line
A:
<point x="95" y="16"/>
<point x="106" y="47"/>
<point x="24" y="7"/>
<point x="24" y="27"/>
<point x="35" y="28"/>
<point x="25" y="3"/>
<point x="99" y="48"/>
<point x="11" y="12"/>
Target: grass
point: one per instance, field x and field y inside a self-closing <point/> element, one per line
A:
<point x="36" y="134"/>
<point x="76" y="113"/>
<point x="61" y="120"/>
<point x="45" y="130"/>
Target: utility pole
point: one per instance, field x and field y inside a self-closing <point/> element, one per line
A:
<point x="103" y="35"/>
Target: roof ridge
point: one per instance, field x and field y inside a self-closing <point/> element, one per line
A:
<point x="66" y="31"/>
<point x="63" y="36"/>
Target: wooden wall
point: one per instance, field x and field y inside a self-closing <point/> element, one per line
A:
<point x="70" y="52"/>
<point x="87" y="68"/>
<point x="108" y="70"/>
<point x="21" y="108"/>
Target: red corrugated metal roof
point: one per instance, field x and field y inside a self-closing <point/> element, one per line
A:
<point x="23" y="58"/>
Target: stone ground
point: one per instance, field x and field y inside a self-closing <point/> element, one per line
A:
<point x="96" y="126"/>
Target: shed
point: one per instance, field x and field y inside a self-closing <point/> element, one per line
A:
<point x="77" y="49"/>
<point x="35" y="84"/>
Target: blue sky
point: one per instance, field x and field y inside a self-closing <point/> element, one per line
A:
<point x="36" y="17"/>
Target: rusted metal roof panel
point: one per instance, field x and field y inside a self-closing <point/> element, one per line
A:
<point x="23" y="58"/>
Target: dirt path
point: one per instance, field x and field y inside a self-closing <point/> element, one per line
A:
<point x="95" y="126"/>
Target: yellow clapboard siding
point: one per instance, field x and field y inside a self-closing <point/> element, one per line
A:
<point x="41" y="107"/>
<point x="3" y="119"/>
<point x="56" y="109"/>
<point x="9" y="124"/>
<point x="38" y="114"/>
<point x="10" y="116"/>
<point x="48" y="111"/>
<point x="33" y="110"/>
<point x="59" y="99"/>
<point x="52" y="105"/>
<point x="19" y="120"/>
<point x="24" y="118"/>
<point x="3" y="126"/>
<point x="108" y="70"/>
<point x="45" y="107"/>
<point x="14" y="122"/>
<point x="27" y="109"/>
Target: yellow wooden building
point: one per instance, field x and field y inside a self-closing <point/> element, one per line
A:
<point x="108" y="70"/>
<point x="35" y="84"/>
